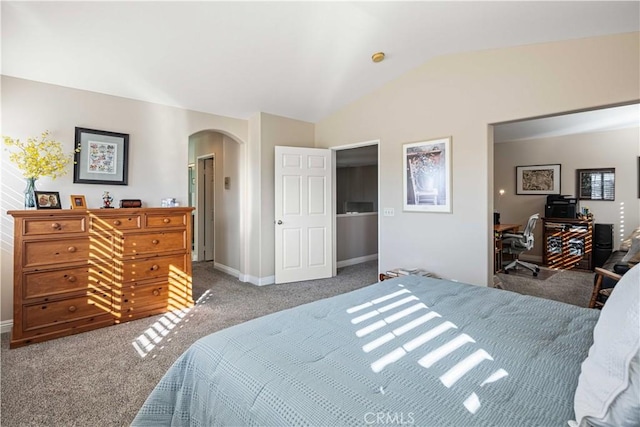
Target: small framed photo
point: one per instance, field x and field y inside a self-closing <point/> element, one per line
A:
<point x="47" y="200"/>
<point x="101" y="157"/>
<point x="78" y="202"/>
<point x="538" y="179"/>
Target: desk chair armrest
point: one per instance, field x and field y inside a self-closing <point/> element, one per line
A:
<point x="515" y="236"/>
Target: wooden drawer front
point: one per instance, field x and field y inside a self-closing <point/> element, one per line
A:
<point x="58" y="225"/>
<point x="111" y="223"/>
<point x="144" y="297"/>
<point x="150" y="268"/>
<point x="55" y="282"/>
<point x="92" y="304"/>
<point x="170" y="241"/>
<point x="46" y="252"/>
<point x="170" y="219"/>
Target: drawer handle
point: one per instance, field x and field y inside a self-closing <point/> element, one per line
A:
<point x="154" y="267"/>
<point x="155" y="241"/>
<point x="117" y="222"/>
<point x="71" y="249"/>
<point x="55" y="226"/>
<point x="71" y="279"/>
<point x="72" y="308"/>
<point x="156" y="292"/>
<point x="166" y="220"/>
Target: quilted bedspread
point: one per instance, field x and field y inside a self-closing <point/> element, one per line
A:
<point x="406" y="351"/>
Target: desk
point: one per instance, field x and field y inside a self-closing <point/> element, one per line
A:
<point x="498" y="230"/>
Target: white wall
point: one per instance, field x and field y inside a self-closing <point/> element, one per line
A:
<point x="158" y="149"/>
<point x="459" y="96"/>
<point x="618" y="149"/>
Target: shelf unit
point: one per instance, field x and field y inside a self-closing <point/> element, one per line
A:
<point x="568" y="243"/>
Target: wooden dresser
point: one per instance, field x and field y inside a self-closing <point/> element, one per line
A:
<point x="77" y="270"/>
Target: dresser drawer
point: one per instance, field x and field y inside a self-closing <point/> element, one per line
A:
<point x="149" y="268"/>
<point x="47" y="252"/>
<point x="170" y="219"/>
<point x="54" y="225"/>
<point x="115" y="222"/>
<point x="169" y="241"/>
<point x="94" y="303"/>
<point x="144" y="297"/>
<point x="47" y="284"/>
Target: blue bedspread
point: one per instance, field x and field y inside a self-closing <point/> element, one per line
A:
<point x="406" y="351"/>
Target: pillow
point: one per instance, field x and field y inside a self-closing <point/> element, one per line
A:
<point x="634" y="251"/>
<point x="608" y="385"/>
<point x="625" y="245"/>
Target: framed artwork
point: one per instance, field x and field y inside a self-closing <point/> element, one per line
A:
<point x="47" y="200"/>
<point x="78" y="202"/>
<point x="100" y="157"/>
<point x="538" y="179"/>
<point x="596" y="184"/>
<point x="427" y="176"/>
<point x="638" y="177"/>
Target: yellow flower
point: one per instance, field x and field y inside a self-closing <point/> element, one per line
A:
<point x="39" y="157"/>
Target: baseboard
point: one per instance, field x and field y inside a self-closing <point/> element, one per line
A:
<point x="5" y="326"/>
<point x="226" y="269"/>
<point x="354" y="261"/>
<point x="270" y="280"/>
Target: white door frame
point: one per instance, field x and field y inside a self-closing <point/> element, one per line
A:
<point x="335" y="197"/>
<point x="200" y="218"/>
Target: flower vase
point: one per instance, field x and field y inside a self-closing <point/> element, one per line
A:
<point x="29" y="194"/>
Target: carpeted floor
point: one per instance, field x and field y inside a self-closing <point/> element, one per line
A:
<point x="100" y="378"/>
<point x="569" y="286"/>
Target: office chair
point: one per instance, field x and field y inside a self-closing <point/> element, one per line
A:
<point x="516" y="243"/>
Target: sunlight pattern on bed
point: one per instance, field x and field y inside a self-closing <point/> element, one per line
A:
<point x="451" y="376"/>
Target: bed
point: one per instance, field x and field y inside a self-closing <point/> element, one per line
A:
<point x="406" y="351"/>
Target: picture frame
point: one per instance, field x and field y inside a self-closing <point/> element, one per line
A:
<point x="427" y="176"/>
<point x="47" y="200"/>
<point x="538" y="179"/>
<point x="78" y="201"/>
<point x="101" y="157"/>
<point x="596" y="184"/>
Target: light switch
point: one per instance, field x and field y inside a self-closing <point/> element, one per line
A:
<point x="388" y="212"/>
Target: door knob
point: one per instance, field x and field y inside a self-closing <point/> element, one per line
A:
<point x="279" y="222"/>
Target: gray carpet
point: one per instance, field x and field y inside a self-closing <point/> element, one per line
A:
<point x="99" y="378"/>
<point x="569" y="286"/>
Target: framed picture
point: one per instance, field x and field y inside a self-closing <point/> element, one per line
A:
<point x="101" y="157"/>
<point x="427" y="176"/>
<point x="78" y="202"/>
<point x="47" y="200"/>
<point x="596" y="184"/>
<point x="538" y="179"/>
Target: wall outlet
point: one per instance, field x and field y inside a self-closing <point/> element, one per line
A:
<point x="388" y="212"/>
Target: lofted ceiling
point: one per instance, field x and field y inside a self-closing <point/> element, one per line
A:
<point x="303" y="60"/>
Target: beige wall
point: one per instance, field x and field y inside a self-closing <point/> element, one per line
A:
<point x="459" y="96"/>
<point x="226" y="153"/>
<point x="275" y="130"/>
<point x="618" y="149"/>
<point x="158" y="149"/>
<point x="356" y="238"/>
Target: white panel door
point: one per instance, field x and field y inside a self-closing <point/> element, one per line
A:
<point x="303" y="247"/>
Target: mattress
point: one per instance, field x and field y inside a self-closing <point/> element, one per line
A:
<point x="405" y="351"/>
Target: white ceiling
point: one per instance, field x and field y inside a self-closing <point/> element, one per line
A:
<point x="303" y="60"/>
